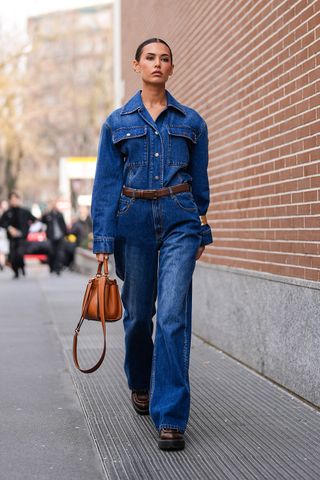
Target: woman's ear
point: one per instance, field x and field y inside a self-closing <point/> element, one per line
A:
<point x="171" y="72"/>
<point x="135" y="66"/>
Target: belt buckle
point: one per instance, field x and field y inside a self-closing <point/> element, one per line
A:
<point x="155" y="196"/>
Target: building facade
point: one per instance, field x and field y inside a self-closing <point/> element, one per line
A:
<point x="251" y="69"/>
<point x="70" y="90"/>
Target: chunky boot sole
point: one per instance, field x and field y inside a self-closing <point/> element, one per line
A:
<point x="171" y="444"/>
<point x="141" y="411"/>
<point x="138" y="409"/>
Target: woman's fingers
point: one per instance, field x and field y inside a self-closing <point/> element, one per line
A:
<point x="100" y="256"/>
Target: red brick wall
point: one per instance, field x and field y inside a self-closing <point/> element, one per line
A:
<point x="252" y="70"/>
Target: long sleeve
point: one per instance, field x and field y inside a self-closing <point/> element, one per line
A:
<point x="4" y="220"/>
<point x="31" y="218"/>
<point x="200" y="184"/>
<point x="63" y="224"/>
<point x="25" y="220"/>
<point x="106" y="192"/>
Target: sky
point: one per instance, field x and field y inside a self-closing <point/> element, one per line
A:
<point x="13" y="13"/>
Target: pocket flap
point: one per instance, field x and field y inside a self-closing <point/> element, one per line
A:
<point x="183" y="131"/>
<point x="125" y="133"/>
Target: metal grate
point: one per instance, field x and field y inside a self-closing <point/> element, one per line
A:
<point x="241" y="426"/>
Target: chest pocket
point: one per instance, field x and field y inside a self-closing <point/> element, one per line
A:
<point x="181" y="140"/>
<point x="133" y="143"/>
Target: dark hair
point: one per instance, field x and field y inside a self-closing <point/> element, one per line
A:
<point x="146" y="42"/>
<point x="13" y="193"/>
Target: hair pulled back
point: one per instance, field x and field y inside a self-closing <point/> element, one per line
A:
<point x="146" y="42"/>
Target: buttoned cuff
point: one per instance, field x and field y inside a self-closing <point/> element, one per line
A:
<point x="103" y="245"/>
<point x="206" y="235"/>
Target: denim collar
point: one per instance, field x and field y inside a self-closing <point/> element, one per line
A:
<point x="135" y="103"/>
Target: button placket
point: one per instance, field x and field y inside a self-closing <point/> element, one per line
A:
<point x="156" y="164"/>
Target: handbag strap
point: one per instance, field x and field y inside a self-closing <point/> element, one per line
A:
<point x="105" y="266"/>
<point x="101" y="314"/>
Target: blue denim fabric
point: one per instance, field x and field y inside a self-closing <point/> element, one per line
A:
<point x="138" y="152"/>
<point x="154" y="242"/>
<point x="155" y="250"/>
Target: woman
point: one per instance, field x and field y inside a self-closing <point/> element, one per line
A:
<point x="149" y="201"/>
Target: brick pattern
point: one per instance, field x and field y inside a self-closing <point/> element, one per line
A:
<point x="252" y="69"/>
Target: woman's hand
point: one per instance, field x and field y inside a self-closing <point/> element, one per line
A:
<point x="200" y="252"/>
<point x="101" y="256"/>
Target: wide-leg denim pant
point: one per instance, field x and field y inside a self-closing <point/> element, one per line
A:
<point x="155" y="250"/>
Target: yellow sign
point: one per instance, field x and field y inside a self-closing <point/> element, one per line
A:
<point x="81" y="159"/>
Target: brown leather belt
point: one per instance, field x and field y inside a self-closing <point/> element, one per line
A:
<point x="155" y="194"/>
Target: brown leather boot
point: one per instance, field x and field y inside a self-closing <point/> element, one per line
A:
<point x="140" y="401"/>
<point x="170" y="439"/>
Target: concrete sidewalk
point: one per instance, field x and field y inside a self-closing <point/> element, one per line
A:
<point x="43" y="432"/>
<point x="58" y="424"/>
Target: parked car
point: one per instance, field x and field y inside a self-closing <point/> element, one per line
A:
<point x="37" y="245"/>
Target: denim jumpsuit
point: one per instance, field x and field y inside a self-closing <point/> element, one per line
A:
<point x="154" y="242"/>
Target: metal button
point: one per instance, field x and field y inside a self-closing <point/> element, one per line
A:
<point x="156" y="133"/>
<point x="128" y="134"/>
<point x="156" y="177"/>
<point x="156" y="154"/>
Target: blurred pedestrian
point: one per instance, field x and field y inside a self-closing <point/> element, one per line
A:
<point x="16" y="220"/>
<point x="4" y="244"/>
<point x="56" y="231"/>
<point x="80" y="235"/>
<point x="82" y="227"/>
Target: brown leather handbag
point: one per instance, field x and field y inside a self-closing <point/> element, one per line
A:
<point x="101" y="302"/>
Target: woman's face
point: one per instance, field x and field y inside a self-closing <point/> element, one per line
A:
<point x="154" y="65"/>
